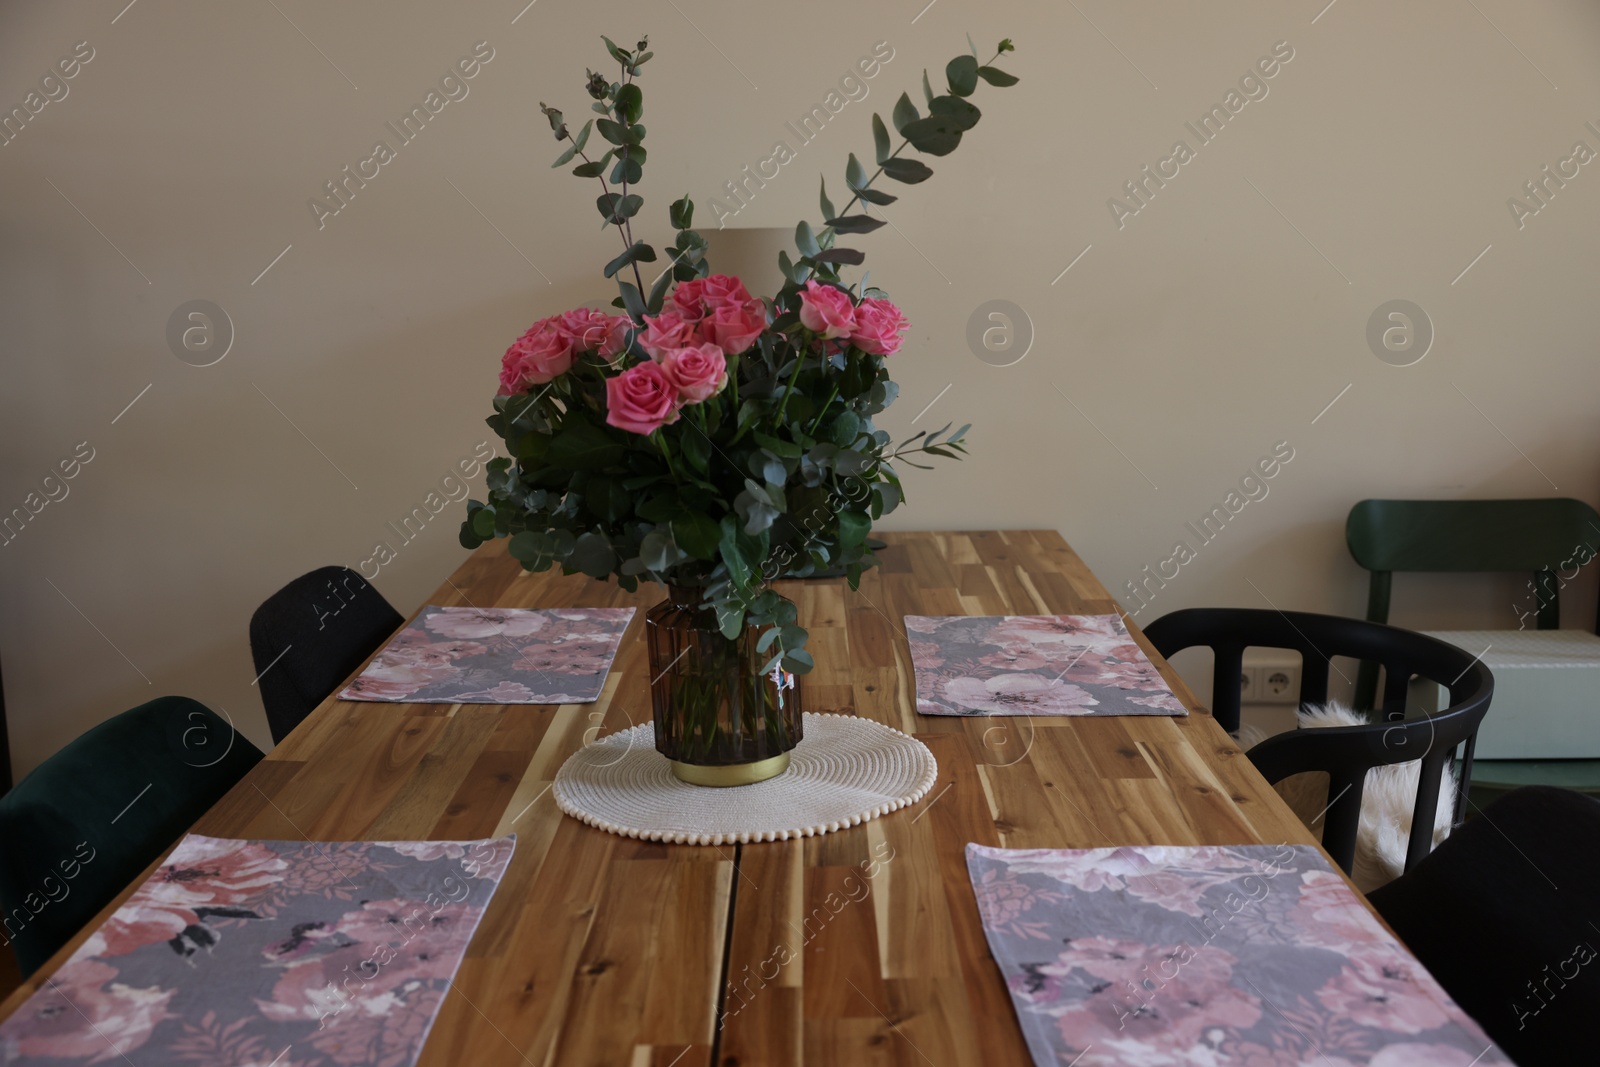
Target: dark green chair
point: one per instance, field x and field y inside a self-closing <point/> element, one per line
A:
<point x="88" y="820"/>
<point x="1549" y="538"/>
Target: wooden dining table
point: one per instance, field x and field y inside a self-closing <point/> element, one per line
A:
<point x="858" y="947"/>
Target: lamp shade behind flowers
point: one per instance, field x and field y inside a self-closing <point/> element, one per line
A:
<point x="709" y="439"/>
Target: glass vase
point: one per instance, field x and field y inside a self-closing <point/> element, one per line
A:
<point x="717" y="717"/>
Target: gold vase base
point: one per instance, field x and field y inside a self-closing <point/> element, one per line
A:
<point x="731" y="773"/>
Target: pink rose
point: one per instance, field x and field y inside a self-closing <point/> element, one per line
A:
<point x="826" y="310"/>
<point x="540" y="355"/>
<point x="665" y="332"/>
<point x="698" y="372"/>
<point x="698" y="296"/>
<point x="734" y="327"/>
<point x="641" y="399"/>
<point x="879" y="325"/>
<point x="589" y="330"/>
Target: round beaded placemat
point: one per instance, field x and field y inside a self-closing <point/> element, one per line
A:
<point x="845" y="771"/>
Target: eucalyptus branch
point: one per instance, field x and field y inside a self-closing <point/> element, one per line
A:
<point x="626" y="225"/>
<point x="892" y="155"/>
<point x="902" y="450"/>
<point x="626" y="243"/>
<point x="854" y="200"/>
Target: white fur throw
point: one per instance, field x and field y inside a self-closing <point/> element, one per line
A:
<point x="1389" y="797"/>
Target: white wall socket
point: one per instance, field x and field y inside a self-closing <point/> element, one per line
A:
<point x="1270" y="676"/>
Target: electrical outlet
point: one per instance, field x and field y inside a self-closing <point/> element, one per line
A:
<point x="1272" y="676"/>
<point x="1249" y="685"/>
<point x="1279" y="683"/>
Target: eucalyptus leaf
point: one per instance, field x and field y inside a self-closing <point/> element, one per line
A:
<point x="534" y="549"/>
<point x="845" y="429"/>
<point x="787" y="449"/>
<point x="798" y="661"/>
<point x="880" y="138"/>
<point x="855" y="175"/>
<point x="681" y="213"/>
<point x="909" y="171"/>
<point x="805" y="240"/>
<point x="965" y="115"/>
<point x="658" y="551"/>
<point x="482" y="522"/>
<point x="631" y="300"/>
<point x="855" y="224"/>
<point x="732" y="556"/>
<point x="638" y="252"/>
<point x="616" y="53"/>
<point x="592" y="554"/>
<point x="628" y="169"/>
<point x="935" y="135"/>
<point x="697" y="534"/>
<point x="905" y="113"/>
<point x="853" y="528"/>
<point x="887" y="497"/>
<point x="827" y="205"/>
<point x="962" y="74"/>
<point x="658" y="293"/>
<point x="629" y="103"/>
<point x="755" y="509"/>
<point x="997" y="77"/>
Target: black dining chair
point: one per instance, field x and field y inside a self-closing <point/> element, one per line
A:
<point x="1504" y="914"/>
<point x="88" y="820"/>
<point x="1345" y="753"/>
<point x="310" y="635"/>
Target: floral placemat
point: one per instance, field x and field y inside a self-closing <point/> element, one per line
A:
<point x="1248" y="955"/>
<point x="460" y="655"/>
<point x="294" y="953"/>
<point x="1034" y="665"/>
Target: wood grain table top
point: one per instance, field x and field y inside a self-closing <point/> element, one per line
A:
<point x="860" y="947"/>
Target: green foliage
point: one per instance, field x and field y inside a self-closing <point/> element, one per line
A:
<point x="782" y="472"/>
<point x="938" y="133"/>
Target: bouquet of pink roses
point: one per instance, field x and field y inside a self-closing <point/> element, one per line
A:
<point x="707" y="438"/>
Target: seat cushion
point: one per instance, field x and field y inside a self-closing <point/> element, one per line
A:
<point x="88" y="820"/>
<point x="1546" y="692"/>
<point x="1501" y="912"/>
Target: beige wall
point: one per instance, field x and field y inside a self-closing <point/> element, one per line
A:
<point x="1209" y="327"/>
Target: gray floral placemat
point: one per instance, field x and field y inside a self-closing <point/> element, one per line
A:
<point x="268" y="952"/>
<point x="454" y="655"/>
<point x="1228" y="956"/>
<point x="1034" y="665"/>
